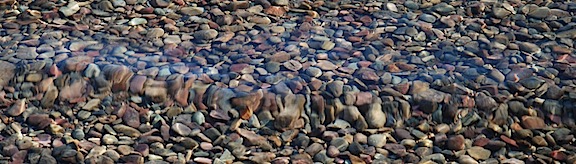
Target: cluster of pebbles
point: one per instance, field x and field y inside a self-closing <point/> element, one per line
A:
<point x="287" y="81"/>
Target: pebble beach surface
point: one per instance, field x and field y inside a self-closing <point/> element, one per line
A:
<point x="287" y="81"/>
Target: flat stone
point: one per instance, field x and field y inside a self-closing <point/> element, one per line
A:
<point x="479" y="153"/>
<point x="377" y="140"/>
<point x="531" y="122"/>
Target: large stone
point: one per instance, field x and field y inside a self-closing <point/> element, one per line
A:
<point x="6" y="72"/>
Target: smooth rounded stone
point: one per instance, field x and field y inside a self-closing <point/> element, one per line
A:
<point x="137" y="21"/>
<point x="529" y="47"/>
<point x="539" y="141"/>
<point x="335" y="88"/>
<point x="443" y="8"/>
<point x="328" y="45"/>
<point x="109" y="139"/>
<point x="377" y="140"/>
<point x="314" y="148"/>
<point x="292" y="65"/>
<point x="485" y="102"/>
<point x="340" y="143"/>
<point x="428" y="18"/>
<point x="314" y="71"/>
<point x="500" y="12"/>
<point x="192" y="11"/>
<point x="83" y="115"/>
<point x="562" y="135"/>
<point x="17" y="108"/>
<point x="125" y="149"/>
<point x="540" y="13"/>
<point x="411" y="5"/>
<point x="409" y="143"/>
<point x="172" y="39"/>
<point x="497" y="75"/>
<point x="127" y="130"/>
<point x="332" y="151"/>
<point x="479" y="153"/>
<point x="78" y="134"/>
<point x="118" y="3"/>
<point x="155" y="33"/>
<point x="181" y="129"/>
<point x="456" y="142"/>
<point x="326" y="65"/>
<point x="208" y="34"/>
<point x="531" y="82"/>
<point x="34" y="77"/>
<point x="437" y="157"/>
<point x="70" y="9"/>
<point x="159" y="3"/>
<point x="532" y="122"/>
<point x="277" y="29"/>
<point x="466" y="159"/>
<point x="199" y="118"/>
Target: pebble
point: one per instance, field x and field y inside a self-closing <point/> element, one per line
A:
<point x="479" y="153"/>
<point x="279" y="82"/>
<point x="137" y="21"/>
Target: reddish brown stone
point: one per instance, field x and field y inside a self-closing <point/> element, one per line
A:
<point x="531" y="122"/>
<point x="456" y="143"/>
<point x="137" y="84"/>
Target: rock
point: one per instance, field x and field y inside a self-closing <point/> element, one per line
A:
<point x="529" y="47"/>
<point x="206" y="34"/>
<point x="314" y="71"/>
<point x="455" y="143"/>
<point x="540" y="13"/>
<point x="126" y="130"/>
<point x="192" y="11"/>
<point x="335" y="88"/>
<point x="429" y="99"/>
<point x="7" y="72"/>
<point x="339" y="143"/>
<point x="137" y="84"/>
<point x="109" y="139"/>
<point x="326" y="65"/>
<point x="292" y="65"/>
<point x="137" y="21"/>
<point x="91" y="105"/>
<point x="443" y="8"/>
<point x="531" y="122"/>
<point x="155" y="33"/>
<point x="466" y="159"/>
<point x="500" y="12"/>
<point x="70" y="9"/>
<point x="17" y="108"/>
<point x="181" y="129"/>
<point x="328" y="45"/>
<point x="479" y="153"/>
<point x="92" y="71"/>
<point x="377" y="140"/>
<point x="159" y="3"/>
